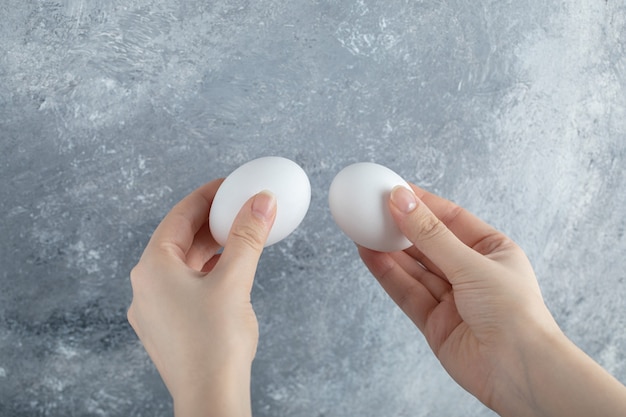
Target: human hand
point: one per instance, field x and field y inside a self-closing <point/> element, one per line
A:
<point x="191" y="306"/>
<point x="473" y="294"/>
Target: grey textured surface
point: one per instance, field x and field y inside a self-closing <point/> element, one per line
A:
<point x="111" y="111"/>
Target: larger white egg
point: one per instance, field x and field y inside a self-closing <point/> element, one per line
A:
<point x="359" y="198"/>
<point x="281" y="176"/>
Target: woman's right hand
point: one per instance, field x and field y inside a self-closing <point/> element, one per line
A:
<point x="473" y="294"/>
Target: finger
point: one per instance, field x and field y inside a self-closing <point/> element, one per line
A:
<point x="179" y="227"/>
<point x="429" y="234"/>
<point x="247" y="237"/>
<point x="421" y="258"/>
<point x="203" y="248"/>
<point x="413" y="298"/>
<point x="468" y="228"/>
<point x="437" y="285"/>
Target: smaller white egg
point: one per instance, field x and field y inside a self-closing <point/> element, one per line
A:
<point x="282" y="177"/>
<point x="359" y="203"/>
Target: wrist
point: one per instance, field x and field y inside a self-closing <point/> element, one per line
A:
<point x="533" y="356"/>
<point x="550" y="376"/>
<point x="527" y="351"/>
<point x="224" y="392"/>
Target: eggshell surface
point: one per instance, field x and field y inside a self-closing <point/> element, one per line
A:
<point x="359" y="203"/>
<point x="282" y="177"/>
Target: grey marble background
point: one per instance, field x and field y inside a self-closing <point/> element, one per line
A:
<point x="111" y="111"/>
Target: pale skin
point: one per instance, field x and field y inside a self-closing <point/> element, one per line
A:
<point x="191" y="306"/>
<point x="468" y="288"/>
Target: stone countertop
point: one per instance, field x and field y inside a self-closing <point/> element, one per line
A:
<point x="110" y="112"/>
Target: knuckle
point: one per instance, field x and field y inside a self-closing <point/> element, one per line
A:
<point x="429" y="227"/>
<point x="140" y="277"/>
<point x="493" y="243"/>
<point x="136" y="275"/>
<point x="130" y="316"/>
<point x="407" y="301"/>
<point x="385" y="273"/>
<point x="248" y="236"/>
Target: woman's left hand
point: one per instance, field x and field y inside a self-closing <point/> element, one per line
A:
<point x="191" y="306"/>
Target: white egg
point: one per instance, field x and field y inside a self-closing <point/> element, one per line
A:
<point x="359" y="203"/>
<point x="284" y="178"/>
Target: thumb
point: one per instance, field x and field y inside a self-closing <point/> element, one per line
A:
<point x="247" y="237"/>
<point x="429" y="234"/>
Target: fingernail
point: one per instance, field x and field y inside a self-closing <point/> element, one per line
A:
<point x="403" y="199"/>
<point x="263" y="205"/>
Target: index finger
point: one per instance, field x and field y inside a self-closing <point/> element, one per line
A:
<point x="468" y="228"/>
<point x="181" y="224"/>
